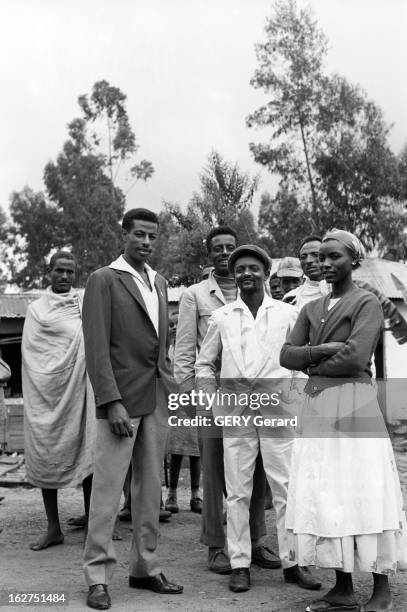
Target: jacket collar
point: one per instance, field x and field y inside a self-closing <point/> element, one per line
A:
<point x="214" y="288"/>
<point x="121" y="264"/>
<point x="125" y="277"/>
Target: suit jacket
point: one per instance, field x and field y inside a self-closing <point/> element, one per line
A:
<point x="197" y="304"/>
<point x="224" y="338"/>
<point x="124" y="355"/>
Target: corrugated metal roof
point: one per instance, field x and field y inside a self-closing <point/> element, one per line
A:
<point x="377" y="272"/>
<point x="14" y="305"/>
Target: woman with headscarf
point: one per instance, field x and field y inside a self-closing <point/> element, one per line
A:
<point x="344" y="508"/>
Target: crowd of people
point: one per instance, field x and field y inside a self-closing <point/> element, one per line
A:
<point x="98" y="370"/>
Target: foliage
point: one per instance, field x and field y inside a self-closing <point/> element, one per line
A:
<point x="402" y="170"/>
<point x="90" y="204"/>
<point x="290" y="72"/>
<point x="392" y="230"/>
<point x="225" y="191"/>
<point x="224" y="199"/>
<point x="106" y="106"/>
<point x="36" y="231"/>
<point x="283" y="222"/>
<point x="356" y="169"/>
<point x="83" y="205"/>
<point x="328" y="141"/>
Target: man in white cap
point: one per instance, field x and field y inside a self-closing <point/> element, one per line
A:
<point x="290" y="273"/>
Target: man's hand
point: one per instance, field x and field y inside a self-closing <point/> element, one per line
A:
<point x="119" y="420"/>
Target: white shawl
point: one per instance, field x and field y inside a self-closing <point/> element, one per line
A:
<point x="59" y="411"/>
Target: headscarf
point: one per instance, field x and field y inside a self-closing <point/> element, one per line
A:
<point x="349" y="240"/>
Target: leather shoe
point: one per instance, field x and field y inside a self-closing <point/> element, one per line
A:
<point x="171" y="505"/>
<point x="165" y="515"/>
<point x="218" y="561"/>
<point x="265" y="557"/>
<point x="158" y="584"/>
<point x="240" y="580"/>
<point x="98" y="598"/>
<point x="196" y="505"/>
<point x="301" y="576"/>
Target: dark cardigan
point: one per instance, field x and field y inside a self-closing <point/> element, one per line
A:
<point x="356" y="319"/>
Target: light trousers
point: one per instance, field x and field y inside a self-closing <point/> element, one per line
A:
<point x="113" y="454"/>
<point x="214" y="487"/>
<point x="240" y="455"/>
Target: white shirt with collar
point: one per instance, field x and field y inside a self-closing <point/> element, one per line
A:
<point x="249" y="347"/>
<point x="253" y="336"/>
<point x="149" y="296"/>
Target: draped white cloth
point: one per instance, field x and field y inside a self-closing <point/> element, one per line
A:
<point x="59" y="408"/>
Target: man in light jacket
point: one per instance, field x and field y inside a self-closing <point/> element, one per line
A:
<point x="197" y="304"/>
<point x="247" y="335"/>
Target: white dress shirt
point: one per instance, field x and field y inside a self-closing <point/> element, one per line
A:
<point x="254" y="332"/>
<point x="149" y="296"/>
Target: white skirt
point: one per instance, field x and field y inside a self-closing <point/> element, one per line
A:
<point x="345" y="506"/>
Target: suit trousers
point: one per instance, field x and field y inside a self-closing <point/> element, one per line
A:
<point x="240" y="455"/>
<point x="113" y="454"/>
<point x="214" y="487"/>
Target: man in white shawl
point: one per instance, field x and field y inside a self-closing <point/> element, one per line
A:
<point x="59" y="409"/>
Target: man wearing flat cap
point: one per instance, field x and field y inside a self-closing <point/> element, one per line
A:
<point x="247" y="335"/>
<point x="197" y="304"/>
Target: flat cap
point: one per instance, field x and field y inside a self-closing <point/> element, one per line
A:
<point x="253" y="251"/>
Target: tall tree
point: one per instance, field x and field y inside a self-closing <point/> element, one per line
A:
<point x="355" y="166"/>
<point x="225" y="196"/>
<point x="91" y="205"/>
<point x="37" y="229"/>
<point x="329" y="142"/>
<point x="82" y="193"/>
<point x="226" y="191"/>
<point x="105" y="114"/>
<point x="291" y="73"/>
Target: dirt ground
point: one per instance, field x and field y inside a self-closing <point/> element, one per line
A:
<point x="183" y="561"/>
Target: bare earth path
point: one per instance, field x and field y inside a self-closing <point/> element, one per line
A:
<point x="183" y="560"/>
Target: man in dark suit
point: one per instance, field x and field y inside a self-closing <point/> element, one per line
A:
<point x="125" y="331"/>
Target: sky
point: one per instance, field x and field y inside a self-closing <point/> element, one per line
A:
<point x="185" y="66"/>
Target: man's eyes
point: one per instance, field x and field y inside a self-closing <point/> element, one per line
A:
<point x="141" y="235"/>
<point x="304" y="256"/>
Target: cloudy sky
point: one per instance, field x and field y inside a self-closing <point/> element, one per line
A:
<point x="185" y="66"/>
